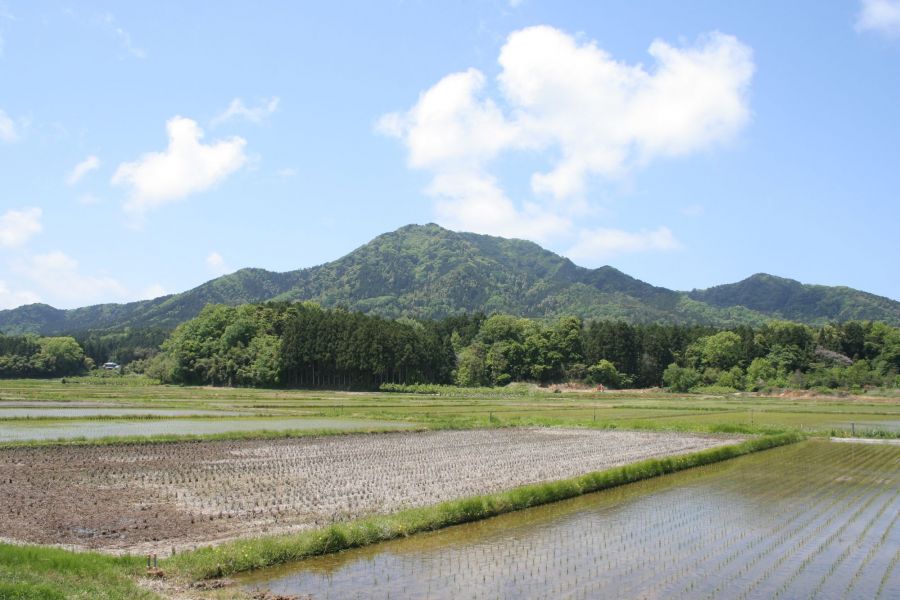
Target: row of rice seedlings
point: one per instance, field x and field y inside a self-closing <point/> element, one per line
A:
<point x="741" y="537"/>
<point x="873" y="552"/>
<point x="349" y="482"/>
<point x="825" y="543"/>
<point x="734" y="550"/>
<point x="883" y="591"/>
<point x="835" y="514"/>
<point x="831" y="497"/>
<point x="714" y="528"/>
<point x="856" y="543"/>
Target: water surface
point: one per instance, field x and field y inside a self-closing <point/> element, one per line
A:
<point x="51" y="430"/>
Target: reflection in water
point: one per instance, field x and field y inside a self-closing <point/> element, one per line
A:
<point x="815" y="519"/>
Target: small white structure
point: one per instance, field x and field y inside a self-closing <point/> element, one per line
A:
<point x="110" y="366"/>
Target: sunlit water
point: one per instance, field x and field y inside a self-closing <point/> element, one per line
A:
<point x="35" y="412"/>
<point x="811" y="520"/>
<point x="39" y="430"/>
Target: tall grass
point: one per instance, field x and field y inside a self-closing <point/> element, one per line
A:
<point x="28" y="572"/>
<point x="256" y="553"/>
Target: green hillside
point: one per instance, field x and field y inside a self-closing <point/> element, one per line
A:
<point x="428" y="271"/>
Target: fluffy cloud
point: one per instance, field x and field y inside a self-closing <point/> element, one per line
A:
<point x="255" y="114"/>
<point x="216" y="264"/>
<point x="187" y="166"/>
<point x="58" y="275"/>
<point x="12" y="299"/>
<point x="881" y="16"/>
<point x="154" y="290"/>
<point x="8" y="131"/>
<point x="573" y="106"/>
<point x="18" y="226"/>
<point x="89" y="164"/>
<point x="601" y="244"/>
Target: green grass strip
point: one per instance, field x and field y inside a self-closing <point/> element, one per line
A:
<point x="256" y="553"/>
<point x="29" y="571"/>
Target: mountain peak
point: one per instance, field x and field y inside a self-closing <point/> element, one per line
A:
<point x="431" y="272"/>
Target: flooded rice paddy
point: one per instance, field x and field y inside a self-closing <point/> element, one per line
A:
<point x="816" y="519"/>
<point x="30" y="430"/>
<point x="24" y="412"/>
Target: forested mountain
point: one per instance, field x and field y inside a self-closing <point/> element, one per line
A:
<point x="792" y="300"/>
<point x="428" y="271"/>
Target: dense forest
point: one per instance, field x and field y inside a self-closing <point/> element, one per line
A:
<point x="282" y="344"/>
<point x="33" y="356"/>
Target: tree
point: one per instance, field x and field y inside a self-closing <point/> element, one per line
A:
<point x="681" y="379"/>
<point x="62" y="355"/>
<point x="722" y="350"/>
<point x="760" y="372"/>
<point x="605" y="373"/>
<point x="471" y="370"/>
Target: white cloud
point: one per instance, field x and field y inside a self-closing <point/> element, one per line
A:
<point x="881" y="16"/>
<point x="474" y="202"/>
<point x="216" y="264"/>
<point x="81" y="169"/>
<point x="18" y="226"/>
<point x="152" y="291"/>
<point x="571" y="105"/>
<point x="13" y="299"/>
<point x="187" y="166"/>
<point x="238" y="110"/>
<point x="694" y="210"/>
<point x="109" y="22"/>
<point x="89" y="199"/>
<point x="601" y="244"/>
<point x="287" y="172"/>
<point x="8" y="131"/>
<point x="58" y="275"/>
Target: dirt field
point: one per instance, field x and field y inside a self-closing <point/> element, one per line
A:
<point x="156" y="497"/>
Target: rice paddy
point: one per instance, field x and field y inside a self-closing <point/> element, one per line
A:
<point x="811" y="520"/>
<point x="232" y="480"/>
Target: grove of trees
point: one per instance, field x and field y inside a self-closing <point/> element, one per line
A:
<point x="305" y="345"/>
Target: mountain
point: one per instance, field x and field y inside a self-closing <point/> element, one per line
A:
<point x="795" y="301"/>
<point x="428" y="271"/>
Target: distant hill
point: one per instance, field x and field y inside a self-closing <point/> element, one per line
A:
<point x="795" y="301"/>
<point x="428" y="271"/>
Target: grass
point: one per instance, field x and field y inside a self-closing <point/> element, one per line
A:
<point x="256" y="553"/>
<point x="36" y="572"/>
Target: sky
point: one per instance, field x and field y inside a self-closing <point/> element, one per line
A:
<point x="148" y="147"/>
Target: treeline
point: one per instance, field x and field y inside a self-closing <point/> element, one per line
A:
<point x="33" y="356"/>
<point x="784" y="354"/>
<point x="281" y="344"/>
<point x="305" y="345"/>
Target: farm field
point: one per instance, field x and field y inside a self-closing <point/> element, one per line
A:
<point x="815" y="519"/>
<point x="200" y="407"/>
<point x="157" y="497"/>
<point x="165" y="468"/>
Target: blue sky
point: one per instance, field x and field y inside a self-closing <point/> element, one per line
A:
<point x="148" y="147"/>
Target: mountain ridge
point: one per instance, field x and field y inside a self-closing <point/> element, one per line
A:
<point x="426" y="271"/>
